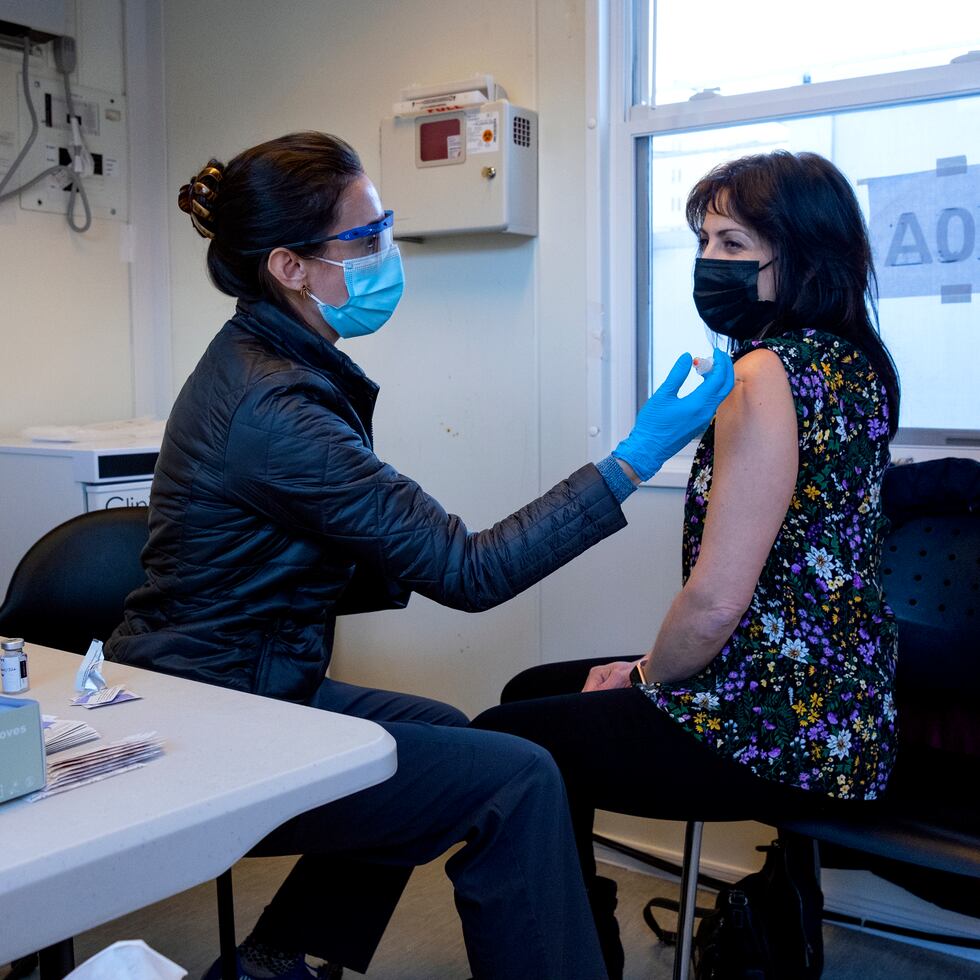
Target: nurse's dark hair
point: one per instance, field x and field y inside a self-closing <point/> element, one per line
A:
<point x="283" y="191"/>
<point x="805" y="210"/>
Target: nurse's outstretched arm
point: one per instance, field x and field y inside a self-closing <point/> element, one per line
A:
<point x="666" y="423"/>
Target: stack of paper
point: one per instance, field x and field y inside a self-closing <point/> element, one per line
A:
<point x="92" y="765"/>
<point x="65" y="733"/>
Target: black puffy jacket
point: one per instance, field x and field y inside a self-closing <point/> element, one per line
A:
<point x="270" y="514"/>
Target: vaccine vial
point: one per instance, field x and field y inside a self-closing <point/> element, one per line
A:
<point x="13" y="666"/>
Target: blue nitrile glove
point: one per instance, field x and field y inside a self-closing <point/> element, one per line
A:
<point x="667" y="423"/>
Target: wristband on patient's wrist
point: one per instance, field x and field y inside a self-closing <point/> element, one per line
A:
<point x="637" y="675"/>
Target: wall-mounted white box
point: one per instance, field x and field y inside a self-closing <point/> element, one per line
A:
<point x="462" y="171"/>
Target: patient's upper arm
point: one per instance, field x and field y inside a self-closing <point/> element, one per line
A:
<point x="755" y="470"/>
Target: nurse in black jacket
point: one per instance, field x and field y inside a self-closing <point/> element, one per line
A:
<point x="270" y="514"/>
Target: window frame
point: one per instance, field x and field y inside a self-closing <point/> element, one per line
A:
<point x="616" y="251"/>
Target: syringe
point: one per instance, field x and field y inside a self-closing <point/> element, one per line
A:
<point x="703" y="364"/>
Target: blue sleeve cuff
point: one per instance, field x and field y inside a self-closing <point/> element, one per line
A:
<point x="617" y="481"/>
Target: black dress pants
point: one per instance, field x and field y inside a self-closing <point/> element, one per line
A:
<point x="517" y="886"/>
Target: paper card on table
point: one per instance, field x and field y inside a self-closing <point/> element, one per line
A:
<point x="108" y="695"/>
<point x="92" y="765"/>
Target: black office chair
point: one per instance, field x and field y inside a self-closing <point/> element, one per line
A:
<point x="71" y="585"/>
<point x="931" y="571"/>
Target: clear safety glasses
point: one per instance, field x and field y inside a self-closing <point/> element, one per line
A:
<point x="379" y="229"/>
<point x="372" y="239"/>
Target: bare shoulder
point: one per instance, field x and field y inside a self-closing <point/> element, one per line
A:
<point x="761" y="388"/>
<point x="761" y="367"/>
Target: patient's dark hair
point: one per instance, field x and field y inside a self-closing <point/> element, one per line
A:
<point x="805" y="210"/>
<point x="280" y="192"/>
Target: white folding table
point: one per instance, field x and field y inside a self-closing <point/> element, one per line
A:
<point x="235" y="767"/>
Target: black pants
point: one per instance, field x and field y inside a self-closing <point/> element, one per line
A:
<point x="516" y="883"/>
<point x="617" y="751"/>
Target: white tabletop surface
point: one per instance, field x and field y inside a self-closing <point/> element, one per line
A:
<point x="235" y="766"/>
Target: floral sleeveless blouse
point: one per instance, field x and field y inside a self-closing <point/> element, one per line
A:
<point x="802" y="691"/>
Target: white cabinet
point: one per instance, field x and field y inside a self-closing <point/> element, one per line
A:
<point x="44" y="484"/>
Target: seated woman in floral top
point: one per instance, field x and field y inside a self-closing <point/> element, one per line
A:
<point x="769" y="688"/>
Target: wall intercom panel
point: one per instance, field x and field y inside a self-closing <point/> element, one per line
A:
<point x="102" y="121"/>
<point x="460" y="167"/>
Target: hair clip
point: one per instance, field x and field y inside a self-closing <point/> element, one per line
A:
<point x="203" y="185"/>
<point x="200" y="210"/>
<point x="204" y="190"/>
<point x="206" y="232"/>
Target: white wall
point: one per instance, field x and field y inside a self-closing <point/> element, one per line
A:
<point x="65" y="352"/>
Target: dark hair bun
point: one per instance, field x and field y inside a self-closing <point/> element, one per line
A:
<point x="198" y="198"/>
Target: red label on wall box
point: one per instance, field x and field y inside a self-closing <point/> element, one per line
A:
<point x="436" y="137"/>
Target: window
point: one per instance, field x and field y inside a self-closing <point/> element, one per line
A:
<point x="893" y="101"/>
<point x="684" y="49"/>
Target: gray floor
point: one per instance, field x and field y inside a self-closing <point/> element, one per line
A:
<point x="424" y="940"/>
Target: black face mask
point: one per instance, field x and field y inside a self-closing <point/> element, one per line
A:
<point x="726" y="294"/>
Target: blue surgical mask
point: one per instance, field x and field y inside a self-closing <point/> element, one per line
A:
<point x="374" y="287"/>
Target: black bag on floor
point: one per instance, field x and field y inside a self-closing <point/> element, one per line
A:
<point x="766" y="926"/>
